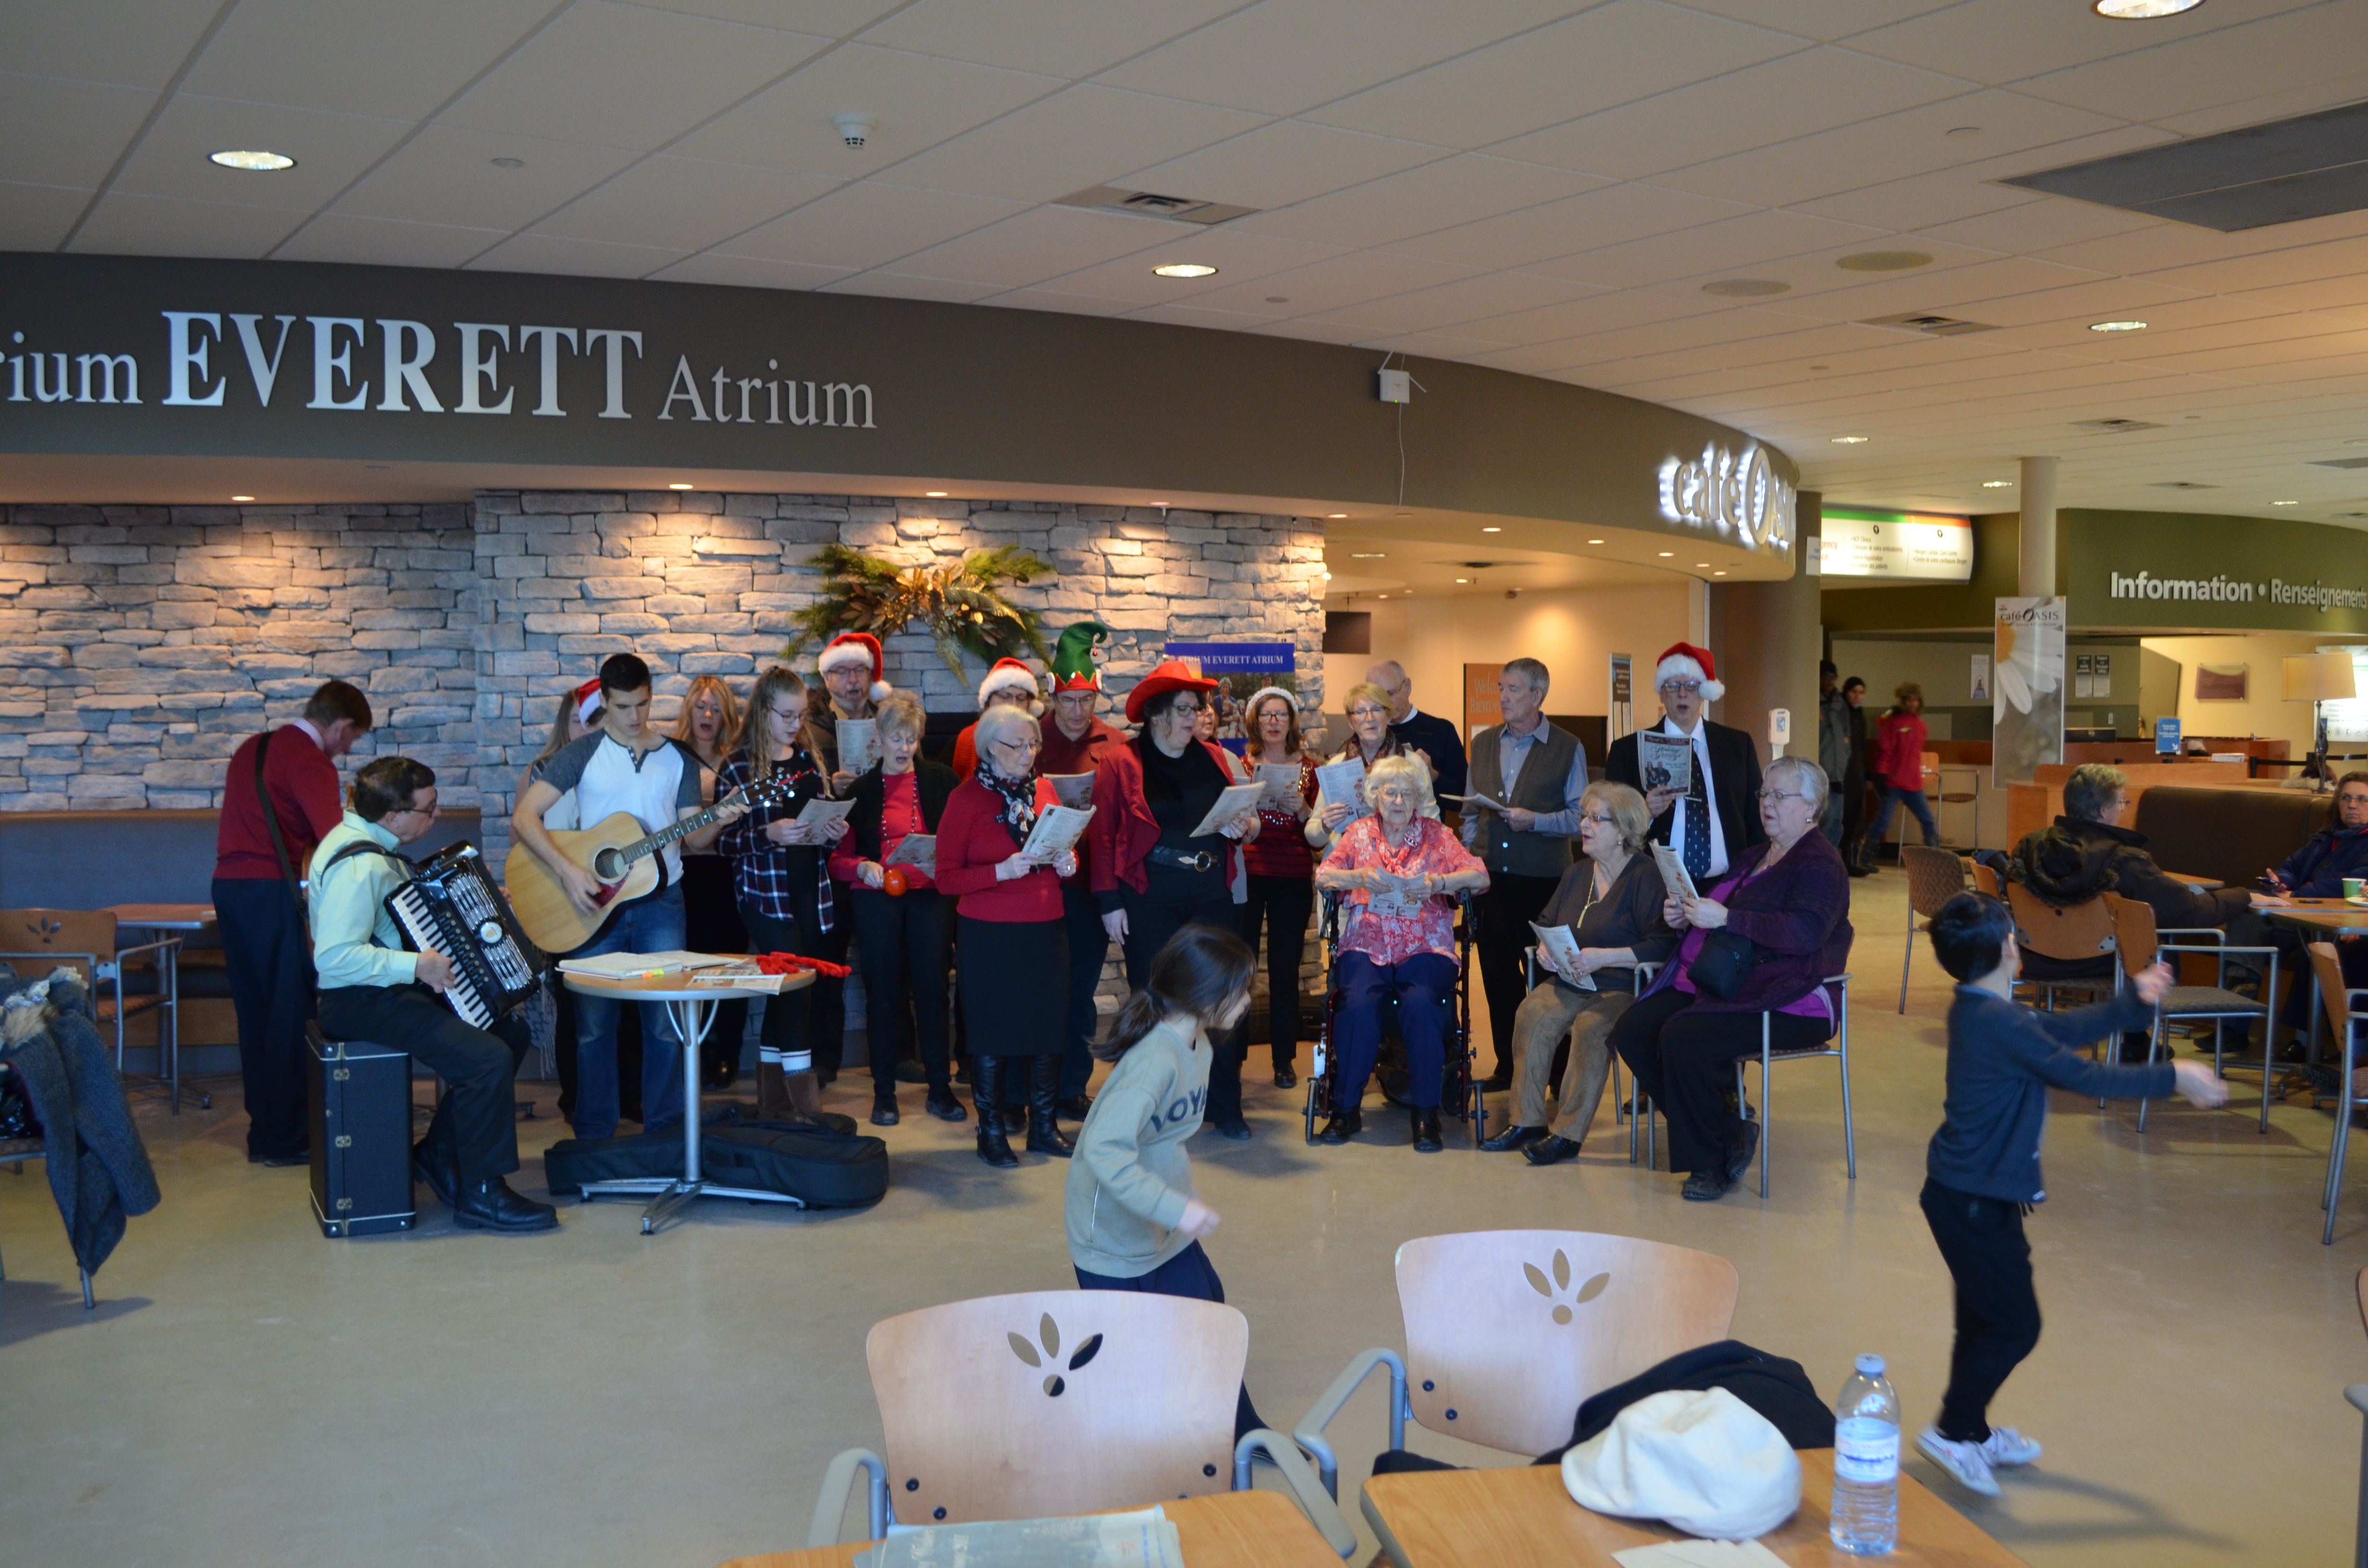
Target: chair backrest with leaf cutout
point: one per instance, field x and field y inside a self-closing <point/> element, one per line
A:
<point x="1056" y="1402"/>
<point x="1508" y="1332"/>
<point x="2073" y="933"/>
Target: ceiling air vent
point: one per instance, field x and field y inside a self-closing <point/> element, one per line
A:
<point x="1931" y="324"/>
<point x="2182" y="485"/>
<point x="2341" y="462"/>
<point x="2113" y="427"/>
<point x="1150" y="204"/>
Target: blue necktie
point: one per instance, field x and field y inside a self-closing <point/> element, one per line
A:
<point x="1697" y="832"/>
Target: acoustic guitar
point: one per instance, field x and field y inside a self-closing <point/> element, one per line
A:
<point x="621" y="853"/>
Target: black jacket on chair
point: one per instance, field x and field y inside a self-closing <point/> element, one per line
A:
<point x="1734" y="784"/>
<point x="98" y="1167"/>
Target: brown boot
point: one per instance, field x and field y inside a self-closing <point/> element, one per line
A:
<point x="772" y="1093"/>
<point x="806" y="1096"/>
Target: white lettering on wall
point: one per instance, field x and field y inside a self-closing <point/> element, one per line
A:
<point x="616" y="340"/>
<point x="548" y="405"/>
<point x="410" y="347"/>
<point x="479" y="365"/>
<point x="330" y="363"/>
<point x="1737" y="494"/>
<point x="682" y="388"/>
<point x="187" y="354"/>
<point x="266" y="370"/>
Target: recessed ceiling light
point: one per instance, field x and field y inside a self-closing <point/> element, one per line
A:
<point x="1369" y="555"/>
<point x="1185" y="269"/>
<point x="241" y="497"/>
<point x="1492" y="531"/>
<point x="933" y="493"/>
<point x="1702" y="564"/>
<point x="1337" y="514"/>
<point x="1746" y="288"/>
<point x="1327" y="576"/>
<point x="2142" y="10"/>
<point x="2117" y="326"/>
<point x="1849" y="440"/>
<point x="678" y="488"/>
<point x="510" y="162"/>
<point x="1883" y="261"/>
<point x="1667" y="553"/>
<point x="2285" y="502"/>
<point x="252" y="161"/>
<point x="1463" y="579"/>
<point x="1718" y="574"/>
<point x="1997" y="483"/>
<point x="1595" y="541"/>
<point x="1381" y="596"/>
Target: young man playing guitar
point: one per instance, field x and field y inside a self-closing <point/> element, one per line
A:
<point x="628" y="766"/>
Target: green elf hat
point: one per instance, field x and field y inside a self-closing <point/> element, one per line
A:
<point x="1073" y="657"/>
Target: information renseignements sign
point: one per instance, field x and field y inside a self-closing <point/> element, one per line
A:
<point x="2185" y="570"/>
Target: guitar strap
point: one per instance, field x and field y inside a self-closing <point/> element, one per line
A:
<point x="278" y="840"/>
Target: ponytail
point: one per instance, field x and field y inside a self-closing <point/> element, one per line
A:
<point x="1201" y="969"/>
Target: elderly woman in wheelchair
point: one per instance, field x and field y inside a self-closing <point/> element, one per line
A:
<point x="1400" y="873"/>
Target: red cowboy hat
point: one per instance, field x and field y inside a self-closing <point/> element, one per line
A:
<point x="1173" y="675"/>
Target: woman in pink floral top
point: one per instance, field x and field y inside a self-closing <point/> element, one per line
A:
<point x="1400" y="871"/>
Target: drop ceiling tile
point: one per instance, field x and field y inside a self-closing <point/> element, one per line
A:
<point x="1816" y="90"/>
<point x="38" y="217"/>
<point x="1330" y="284"/>
<point x="1530" y="360"/>
<point x="749" y="272"/>
<point x="915" y="101"/>
<point x="1738" y="247"/>
<point x="127" y="225"/>
<point x="2038" y="225"/>
<point x="1472" y="305"/>
<point x="1280" y="59"/>
<point x="683" y="203"/>
<point x="1243" y="261"/>
<point x="827" y="18"/>
<point x="1954" y="287"/>
<point x="1050" y="35"/>
<point x="573" y="258"/>
<point x="2335" y="294"/>
<point x="904" y="286"/>
<point x="400" y="62"/>
<point x="1610" y="54"/>
<point x="136" y="43"/>
<point x="1432" y="345"/>
<point x="1593" y="316"/>
<point x="385" y="242"/>
<point x="2074" y="305"/>
<point x="2006" y="41"/>
<point x="1055" y="300"/>
<point x="628" y="76"/>
<point x="2323" y="42"/>
<point x="60" y="133"/>
<point x="1823" y="19"/>
<point x="2300" y="264"/>
<point x="2282" y="103"/>
<point x="1277" y="164"/>
<point x="1038" y="244"/>
<point x="868" y="225"/>
<point x="1916" y="203"/>
<point x="1309" y="330"/>
<point x="1527" y="238"/>
<point x="1197" y="315"/>
<point x="1084" y="136"/>
<point x="1459" y="189"/>
<point x="1891" y="146"/>
<point x="446" y="174"/>
<point x="330" y="150"/>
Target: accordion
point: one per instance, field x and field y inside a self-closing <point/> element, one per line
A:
<point x="452" y="905"/>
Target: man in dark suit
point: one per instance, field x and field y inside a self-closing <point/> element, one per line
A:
<point x="1717" y="818"/>
<point x="1427" y="733"/>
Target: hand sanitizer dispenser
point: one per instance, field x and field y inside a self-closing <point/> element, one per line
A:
<point x="1780" y="731"/>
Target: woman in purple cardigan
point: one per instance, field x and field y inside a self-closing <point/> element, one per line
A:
<point x="1790" y="899"/>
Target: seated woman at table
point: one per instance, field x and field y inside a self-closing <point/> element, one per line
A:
<point x="1401" y="871"/>
<point x="1612" y="899"/>
<point x="2317" y="869"/>
<point x="1788" y="899"/>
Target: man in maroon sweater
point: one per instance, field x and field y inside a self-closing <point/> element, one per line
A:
<point x="1073" y="742"/>
<point x="265" y="943"/>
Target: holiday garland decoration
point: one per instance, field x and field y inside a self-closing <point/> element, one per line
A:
<point x="962" y="604"/>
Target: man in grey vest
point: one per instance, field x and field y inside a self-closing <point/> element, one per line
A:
<point x="1537" y="773"/>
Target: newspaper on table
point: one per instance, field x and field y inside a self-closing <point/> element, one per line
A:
<point x="820" y="812"/>
<point x="1342" y="783"/>
<point x="1075" y="790"/>
<point x="1674" y="877"/>
<point x="859" y="745"/>
<point x="1665" y="762"/>
<point x="1281" y="781"/>
<point x="1560" y="943"/>
<point x="1057" y="828"/>
<point x="919" y="849"/>
<point x="1145" y="1538"/>
<point x="738" y="977"/>
<point x="1237" y="799"/>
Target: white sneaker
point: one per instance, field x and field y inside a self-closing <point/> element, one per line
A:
<point x="1963" y="1461"/>
<point x="2006" y="1445"/>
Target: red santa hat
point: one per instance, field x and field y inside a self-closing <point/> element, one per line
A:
<point x="1684" y="661"/>
<point x="1009" y="675"/>
<point x="858" y="648"/>
<point x="587" y="701"/>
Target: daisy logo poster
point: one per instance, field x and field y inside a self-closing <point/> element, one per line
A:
<point x="2027" y="688"/>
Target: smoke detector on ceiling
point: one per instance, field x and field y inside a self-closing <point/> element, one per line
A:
<point x="853" y="128"/>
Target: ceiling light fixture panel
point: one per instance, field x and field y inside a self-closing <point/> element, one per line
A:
<point x="2142" y="10"/>
<point x="2117" y="326"/>
<point x="252" y="160"/>
<point x="1186" y="269"/>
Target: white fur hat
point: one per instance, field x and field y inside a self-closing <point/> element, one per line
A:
<point x="1684" y="660"/>
<point x="1703" y="1460"/>
<point x="1010" y="675"/>
<point x="859" y="648"/>
<point x="1261" y="694"/>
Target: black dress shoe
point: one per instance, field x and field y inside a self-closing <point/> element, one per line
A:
<point x="1426" y="1130"/>
<point x="945" y="1107"/>
<point x="1738" y="1159"/>
<point x="1344" y="1125"/>
<point x="492" y="1206"/>
<point x="1497" y="1082"/>
<point x="442" y="1178"/>
<point x="1075" y="1107"/>
<point x="1706" y="1187"/>
<point x="1513" y="1138"/>
<point x="1234" y="1128"/>
<point x="1551" y="1150"/>
<point x="282" y="1162"/>
<point x="1284" y="1078"/>
<point x="884" y="1111"/>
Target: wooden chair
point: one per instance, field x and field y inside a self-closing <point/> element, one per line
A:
<point x="1983" y="879"/>
<point x="1971" y="795"/>
<point x="83" y="942"/>
<point x="2344" y="1007"/>
<point x="1934" y="877"/>
<point x="2079" y="933"/>
<point x="1056" y="1402"/>
<point x="1508" y="1332"/>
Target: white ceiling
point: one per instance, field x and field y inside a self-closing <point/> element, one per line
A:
<point x="1535" y="184"/>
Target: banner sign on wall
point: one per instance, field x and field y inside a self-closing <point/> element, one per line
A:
<point x="1481" y="707"/>
<point x="1241" y="670"/>
<point x="2027" y="676"/>
<point x="1894" y="547"/>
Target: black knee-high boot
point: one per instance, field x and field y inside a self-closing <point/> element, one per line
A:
<point x="1044" y="1109"/>
<point x="986" y="1087"/>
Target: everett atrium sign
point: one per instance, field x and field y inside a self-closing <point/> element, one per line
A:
<point x="1737" y="494"/>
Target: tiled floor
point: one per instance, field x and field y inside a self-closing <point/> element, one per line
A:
<point x="249" y="1394"/>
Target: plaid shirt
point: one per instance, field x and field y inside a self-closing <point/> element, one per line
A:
<point x="763" y="872"/>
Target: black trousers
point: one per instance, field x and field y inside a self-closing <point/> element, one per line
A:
<point x="905" y="947"/>
<point x="711" y="924"/>
<point x="1088" y="947"/>
<point x="784" y="1030"/>
<point x="1502" y="915"/>
<point x="1282" y="904"/>
<point x="1982" y="1241"/>
<point x="270" y="955"/>
<point x="1684" y="1060"/>
<point x="1853" y="791"/>
<point x="476" y="1124"/>
<point x="826" y="1005"/>
<point x="1148" y="927"/>
<point x="1192" y="1276"/>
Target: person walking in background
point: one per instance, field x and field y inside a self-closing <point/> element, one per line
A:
<point x="1898" y="768"/>
<point x="1833" y="746"/>
<point x="1425" y="732"/>
<point x="1853" y="781"/>
<point x="1074" y="744"/>
<point x="708" y="727"/>
<point x="1281" y="872"/>
<point x="280" y="798"/>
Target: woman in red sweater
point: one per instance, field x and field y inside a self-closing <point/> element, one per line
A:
<point x="1898" y="768"/>
<point x="1014" y="935"/>
<point x="1281" y="871"/>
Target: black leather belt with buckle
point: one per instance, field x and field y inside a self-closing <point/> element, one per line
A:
<point x="1198" y="860"/>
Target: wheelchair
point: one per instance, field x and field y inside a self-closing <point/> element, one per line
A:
<point x="1460" y="1094"/>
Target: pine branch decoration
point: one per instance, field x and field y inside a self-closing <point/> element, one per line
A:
<point x="962" y="606"/>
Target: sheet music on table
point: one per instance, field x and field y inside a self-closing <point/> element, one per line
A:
<point x="1144" y="1537"/>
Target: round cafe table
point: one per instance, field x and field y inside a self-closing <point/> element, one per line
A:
<point x="693" y="1010"/>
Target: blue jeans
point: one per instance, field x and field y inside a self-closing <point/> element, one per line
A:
<point x="1917" y="806"/>
<point x="1425" y="987"/>
<point x="653" y="926"/>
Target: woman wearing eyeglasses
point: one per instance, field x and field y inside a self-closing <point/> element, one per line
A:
<point x="1370" y="740"/>
<point x="1151" y="874"/>
<point x="1782" y="920"/>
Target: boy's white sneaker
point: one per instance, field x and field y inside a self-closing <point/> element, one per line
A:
<point x="2006" y="1445"/>
<point x="1962" y="1461"/>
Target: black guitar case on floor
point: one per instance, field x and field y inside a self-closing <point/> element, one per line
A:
<point x="822" y="1167"/>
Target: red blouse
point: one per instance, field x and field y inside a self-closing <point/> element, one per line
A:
<point x="973" y="840"/>
<point x="1280" y="848"/>
<point x="900" y="818"/>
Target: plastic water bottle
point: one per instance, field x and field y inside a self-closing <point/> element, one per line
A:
<point x="1866" y="1463"/>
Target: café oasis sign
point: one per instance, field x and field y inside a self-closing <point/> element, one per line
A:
<point x="1737" y="494"/>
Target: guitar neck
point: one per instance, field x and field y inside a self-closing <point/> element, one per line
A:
<point x="666" y="835"/>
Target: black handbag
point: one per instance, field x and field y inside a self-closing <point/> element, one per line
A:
<point x="1725" y="962"/>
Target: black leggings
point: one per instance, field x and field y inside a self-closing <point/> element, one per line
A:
<point x="1684" y="1060"/>
<point x="1282" y="904"/>
<point x="1982" y="1241"/>
<point x="905" y="948"/>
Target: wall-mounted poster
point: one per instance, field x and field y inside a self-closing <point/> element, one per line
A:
<point x="1981" y="678"/>
<point x="1241" y="669"/>
<point x="1481" y="707"/>
<point x="2027" y="674"/>
<point x="2221" y="683"/>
